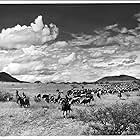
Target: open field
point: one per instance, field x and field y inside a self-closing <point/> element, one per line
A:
<point x="46" y="119"/>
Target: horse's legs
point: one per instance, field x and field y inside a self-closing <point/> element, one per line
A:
<point x="17" y="101"/>
<point x="66" y="114"/>
<point x="63" y="114"/>
<point x="70" y="110"/>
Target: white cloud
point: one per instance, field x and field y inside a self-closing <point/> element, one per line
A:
<point x="33" y="50"/>
<point x="38" y="25"/>
<point x="111" y="26"/>
<point x="85" y="58"/>
<point x="36" y="34"/>
<point x="3" y="51"/>
<point x="67" y="59"/>
<point x="124" y="30"/>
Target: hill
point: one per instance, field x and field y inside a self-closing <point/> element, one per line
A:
<point x="5" y="77"/>
<point x="37" y="82"/>
<point x="117" y="78"/>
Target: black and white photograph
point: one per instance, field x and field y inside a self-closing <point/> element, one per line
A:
<point x="69" y="69"/>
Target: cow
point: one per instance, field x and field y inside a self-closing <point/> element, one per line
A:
<point x="85" y="101"/>
<point x="119" y="95"/>
<point x="99" y="94"/>
<point x="52" y="99"/>
<point x="58" y="99"/>
<point x="75" y="100"/>
<point x="39" y="96"/>
<point x="90" y="96"/>
<point x="46" y="98"/>
<point x="37" y="99"/>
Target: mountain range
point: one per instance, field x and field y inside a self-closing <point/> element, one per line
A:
<point x="5" y="77"/>
<point x="117" y="78"/>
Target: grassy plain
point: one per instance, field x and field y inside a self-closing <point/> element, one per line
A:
<point x="46" y="119"/>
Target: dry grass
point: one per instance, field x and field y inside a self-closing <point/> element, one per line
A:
<point x="46" y="120"/>
<point x="43" y="119"/>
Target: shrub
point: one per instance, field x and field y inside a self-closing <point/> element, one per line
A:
<point x="5" y="96"/>
<point x="83" y="115"/>
<point x="127" y="94"/>
<point x="120" y="119"/>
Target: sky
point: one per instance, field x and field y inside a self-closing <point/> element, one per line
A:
<point x="73" y="42"/>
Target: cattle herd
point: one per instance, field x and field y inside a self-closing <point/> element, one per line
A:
<point x="79" y="96"/>
<point x="120" y="87"/>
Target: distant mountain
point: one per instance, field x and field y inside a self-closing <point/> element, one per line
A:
<point x="5" y="77"/>
<point x="38" y="82"/>
<point x="117" y="78"/>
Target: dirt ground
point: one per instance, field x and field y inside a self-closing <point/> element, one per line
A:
<point x="43" y="119"/>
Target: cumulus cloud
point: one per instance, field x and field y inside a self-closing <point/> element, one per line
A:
<point x="38" y="25"/>
<point x="26" y="54"/>
<point x="23" y="36"/>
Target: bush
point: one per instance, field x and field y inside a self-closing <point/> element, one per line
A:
<point x="127" y="94"/>
<point x="5" y="96"/>
<point x="83" y="115"/>
<point x="120" y="119"/>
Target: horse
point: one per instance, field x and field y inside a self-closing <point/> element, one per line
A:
<point x="17" y="97"/>
<point x="66" y="106"/>
<point x="22" y="101"/>
<point x="23" y="94"/>
<point x="26" y="102"/>
<point x="99" y="94"/>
